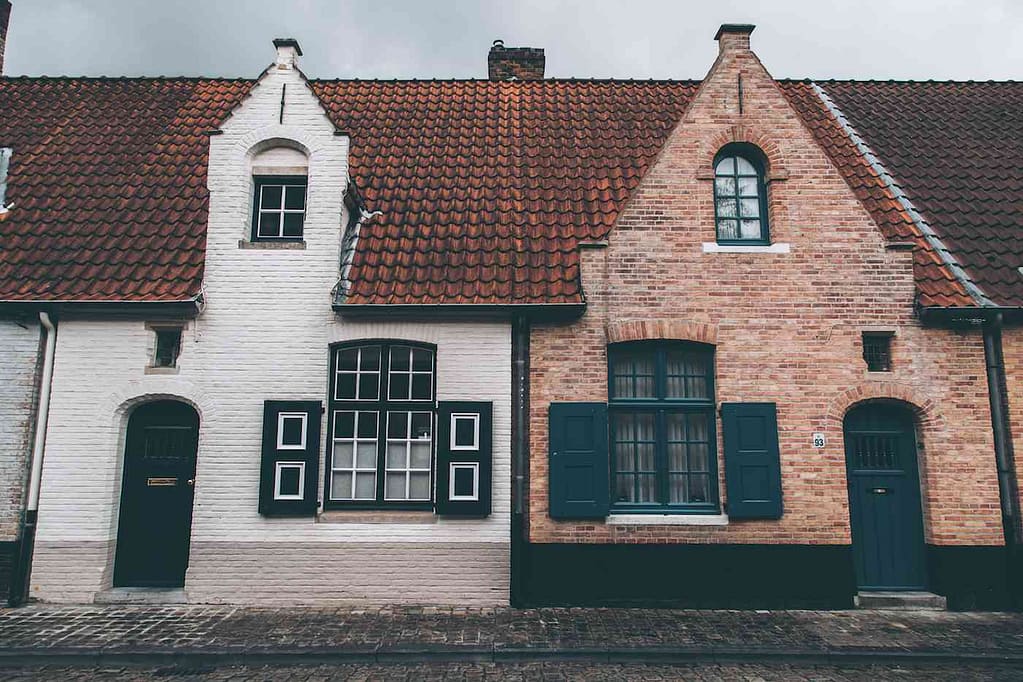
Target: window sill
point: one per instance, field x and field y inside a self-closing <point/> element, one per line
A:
<point x="714" y="247"/>
<point x="162" y="370"/>
<point x="417" y="517"/>
<point x="667" y="520"/>
<point x="281" y="245"/>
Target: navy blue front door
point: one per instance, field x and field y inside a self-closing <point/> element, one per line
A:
<point x="884" y="497"/>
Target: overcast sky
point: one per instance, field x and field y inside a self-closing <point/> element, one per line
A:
<point x="921" y="39"/>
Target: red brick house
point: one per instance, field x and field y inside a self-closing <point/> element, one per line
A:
<point x="745" y="341"/>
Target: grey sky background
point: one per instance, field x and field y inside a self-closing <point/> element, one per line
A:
<point x="919" y="39"/>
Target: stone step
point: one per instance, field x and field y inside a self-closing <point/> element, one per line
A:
<point x="142" y="595"/>
<point x="901" y="601"/>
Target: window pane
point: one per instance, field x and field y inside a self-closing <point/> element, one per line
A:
<point x="634" y="375"/>
<point x="726" y="166"/>
<point x="422" y="360"/>
<point x="369" y="358"/>
<point x="726" y="207"/>
<point x="366" y="455"/>
<point x="421" y="387"/>
<point x="419" y="486"/>
<point x="745" y="167"/>
<point x="348" y="359"/>
<point x="395" y="486"/>
<point x="343" y="456"/>
<point x="294" y="198"/>
<point x="341" y="485"/>
<point x="270" y="196"/>
<point x="345" y="386"/>
<point x="687" y="374"/>
<point x="369" y="386"/>
<point x="293" y="224"/>
<point x="399" y="388"/>
<point x="397" y="454"/>
<point x="400" y="358"/>
<point x="397" y="425"/>
<point x="269" y="224"/>
<point x="365" y="486"/>
<point x="368" y="425"/>
<point x="748" y="186"/>
<point x="750" y="208"/>
<point x="421" y="422"/>
<point x="344" y="425"/>
<point x="728" y="229"/>
<point x="420" y="458"/>
<point x="750" y="229"/>
<point x="724" y="186"/>
<point x="699" y="488"/>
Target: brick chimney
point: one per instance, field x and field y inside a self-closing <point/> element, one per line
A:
<point x="515" y="63"/>
<point x="288" y="52"/>
<point x="5" y="19"/>
<point x="733" y="37"/>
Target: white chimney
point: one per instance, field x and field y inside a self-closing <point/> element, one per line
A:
<point x="288" y="52"/>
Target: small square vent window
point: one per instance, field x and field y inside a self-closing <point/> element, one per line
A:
<point x="168" y="347"/>
<point x="877" y="351"/>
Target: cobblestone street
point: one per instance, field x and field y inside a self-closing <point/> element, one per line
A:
<point x="552" y="671"/>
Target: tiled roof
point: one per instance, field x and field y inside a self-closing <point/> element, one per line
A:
<point x="956" y="149"/>
<point x="486" y="188"/>
<point x="108" y="181"/>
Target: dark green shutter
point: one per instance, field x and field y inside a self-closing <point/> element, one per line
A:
<point x="578" y="461"/>
<point x="752" y="464"/>
<point x="300" y="500"/>
<point x="464" y="460"/>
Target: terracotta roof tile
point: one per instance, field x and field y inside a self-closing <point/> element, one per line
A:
<point x="108" y="181"/>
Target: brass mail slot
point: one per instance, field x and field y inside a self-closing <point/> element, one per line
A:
<point x="880" y="491"/>
<point x="161" y="482"/>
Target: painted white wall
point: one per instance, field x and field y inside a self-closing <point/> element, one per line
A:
<point x="264" y="334"/>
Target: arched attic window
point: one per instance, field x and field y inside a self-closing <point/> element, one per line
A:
<point x="280" y="178"/>
<point x="740" y="195"/>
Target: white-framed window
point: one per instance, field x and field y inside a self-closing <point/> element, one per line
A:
<point x="353" y="471"/>
<point x="464" y="482"/>
<point x="291" y="430"/>
<point x="289" y="480"/>
<point x="279" y="210"/>
<point x="409" y="462"/>
<point x="382" y="426"/>
<point x="465" y="431"/>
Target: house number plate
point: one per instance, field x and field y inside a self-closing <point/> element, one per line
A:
<point x="819" y="441"/>
<point x="161" y="482"/>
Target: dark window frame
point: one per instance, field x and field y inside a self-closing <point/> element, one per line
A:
<point x="661" y="406"/>
<point x="162" y="332"/>
<point x="756" y="159"/>
<point x="877" y="351"/>
<point x="260" y="181"/>
<point x="382" y="405"/>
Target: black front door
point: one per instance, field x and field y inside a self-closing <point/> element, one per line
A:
<point x="156" y="495"/>
<point x="884" y="497"/>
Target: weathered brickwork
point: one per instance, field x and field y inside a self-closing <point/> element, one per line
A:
<point x="786" y="327"/>
<point x="1012" y="349"/>
<point x="19" y="354"/>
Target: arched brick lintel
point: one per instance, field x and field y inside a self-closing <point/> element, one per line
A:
<point x="644" y="330"/>
<point x="745" y="133"/>
<point x="924" y="407"/>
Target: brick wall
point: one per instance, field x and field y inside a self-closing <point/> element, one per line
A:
<point x="787" y="328"/>
<point x="19" y="355"/>
<point x="1012" y="349"/>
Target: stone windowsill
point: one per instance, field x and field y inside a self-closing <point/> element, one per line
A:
<point x="417" y="517"/>
<point x="667" y="520"/>
<point x="272" y="246"/>
<point x="162" y="370"/>
<point x="714" y="247"/>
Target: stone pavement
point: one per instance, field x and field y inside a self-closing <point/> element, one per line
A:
<point x="227" y="635"/>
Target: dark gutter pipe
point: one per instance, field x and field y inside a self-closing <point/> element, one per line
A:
<point x="520" y="456"/>
<point x="1008" y="485"/>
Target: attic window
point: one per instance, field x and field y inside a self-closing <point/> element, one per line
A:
<point x="278" y="213"/>
<point x="740" y="196"/>
<point x="877" y="351"/>
<point x="168" y="347"/>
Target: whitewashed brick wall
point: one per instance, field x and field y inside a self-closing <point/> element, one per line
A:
<point x="19" y="350"/>
<point x="263" y="335"/>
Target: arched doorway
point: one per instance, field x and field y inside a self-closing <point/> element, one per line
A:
<point x="156" y="495"/>
<point x="884" y="497"/>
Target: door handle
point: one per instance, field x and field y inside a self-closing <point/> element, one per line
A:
<point x="191" y="482"/>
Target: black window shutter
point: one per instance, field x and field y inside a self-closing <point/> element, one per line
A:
<point x="752" y="463"/>
<point x="289" y="471"/>
<point x="464" y="458"/>
<point x="579" y="462"/>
